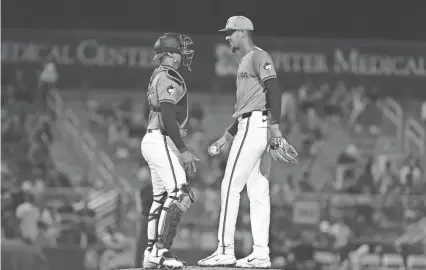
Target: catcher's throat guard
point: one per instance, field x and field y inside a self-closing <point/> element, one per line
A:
<point x="174" y="208"/>
<point x="175" y="43"/>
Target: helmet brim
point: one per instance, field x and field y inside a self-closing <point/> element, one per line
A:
<point x="158" y="56"/>
<point x="226" y="30"/>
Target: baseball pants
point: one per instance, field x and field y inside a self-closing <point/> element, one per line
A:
<point x="244" y="167"/>
<point x="163" y="157"/>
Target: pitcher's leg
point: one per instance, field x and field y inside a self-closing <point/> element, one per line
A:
<point x="260" y="211"/>
<point x="258" y="192"/>
<point x="245" y="153"/>
<point x="248" y="145"/>
<point x="239" y="164"/>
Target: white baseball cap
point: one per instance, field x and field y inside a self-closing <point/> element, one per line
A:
<point x="238" y="23"/>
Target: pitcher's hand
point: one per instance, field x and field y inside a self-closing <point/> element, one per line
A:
<point x="217" y="146"/>
<point x="275" y="131"/>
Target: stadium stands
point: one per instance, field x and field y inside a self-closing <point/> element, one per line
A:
<point x="30" y="176"/>
<point x="372" y="218"/>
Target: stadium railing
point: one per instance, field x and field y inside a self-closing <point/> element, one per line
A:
<point x="394" y="114"/>
<point x="414" y="137"/>
<point x="409" y="133"/>
<point x="105" y="205"/>
<point x="106" y="200"/>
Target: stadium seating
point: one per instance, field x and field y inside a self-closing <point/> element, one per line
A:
<point x="105" y="122"/>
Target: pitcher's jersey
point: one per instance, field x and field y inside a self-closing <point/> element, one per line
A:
<point x="254" y="69"/>
<point x="167" y="85"/>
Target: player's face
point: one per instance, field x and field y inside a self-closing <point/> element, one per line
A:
<point x="233" y="37"/>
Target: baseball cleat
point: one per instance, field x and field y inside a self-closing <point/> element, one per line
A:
<point x="164" y="257"/>
<point x="218" y="259"/>
<point x="146" y="263"/>
<point x="251" y="261"/>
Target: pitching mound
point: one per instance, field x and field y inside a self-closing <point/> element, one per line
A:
<point x="201" y="268"/>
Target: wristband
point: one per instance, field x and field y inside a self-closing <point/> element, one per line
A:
<point x="228" y="136"/>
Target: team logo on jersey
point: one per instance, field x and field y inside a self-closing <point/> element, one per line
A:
<point x="267" y="66"/>
<point x="171" y="89"/>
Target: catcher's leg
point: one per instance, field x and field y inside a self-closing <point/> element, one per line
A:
<point x="159" y="198"/>
<point x="169" y="175"/>
<point x="176" y="204"/>
<point x="148" y="236"/>
<point x="154" y="216"/>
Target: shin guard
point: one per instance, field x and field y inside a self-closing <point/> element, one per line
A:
<point x="177" y="203"/>
<point x="153" y="219"/>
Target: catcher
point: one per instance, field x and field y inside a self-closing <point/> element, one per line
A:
<point x="257" y="113"/>
<point x="165" y="151"/>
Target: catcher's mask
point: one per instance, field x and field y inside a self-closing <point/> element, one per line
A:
<point x="175" y="43"/>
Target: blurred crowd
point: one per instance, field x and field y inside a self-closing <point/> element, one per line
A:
<point x="27" y="167"/>
<point x="381" y="192"/>
<point x="38" y="203"/>
<point x="381" y="187"/>
<point x="40" y="206"/>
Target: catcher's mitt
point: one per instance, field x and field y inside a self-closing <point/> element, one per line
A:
<point x="281" y="150"/>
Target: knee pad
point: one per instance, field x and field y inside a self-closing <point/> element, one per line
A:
<point x="182" y="198"/>
<point x="177" y="203"/>
<point x="157" y="205"/>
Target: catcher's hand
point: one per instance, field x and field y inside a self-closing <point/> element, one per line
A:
<point x="188" y="160"/>
<point x="281" y="150"/>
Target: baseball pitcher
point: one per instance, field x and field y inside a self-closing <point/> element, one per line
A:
<point x="165" y="151"/>
<point x="257" y="113"/>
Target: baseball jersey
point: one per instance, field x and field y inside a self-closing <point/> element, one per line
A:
<point x="167" y="85"/>
<point x="254" y="69"/>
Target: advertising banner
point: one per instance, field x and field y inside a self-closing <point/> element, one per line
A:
<point x="388" y="261"/>
<point x="98" y="60"/>
<point x="306" y="210"/>
<point x="395" y="68"/>
<point x="117" y="60"/>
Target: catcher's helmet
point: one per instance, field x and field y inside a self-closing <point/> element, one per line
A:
<point x="175" y="43"/>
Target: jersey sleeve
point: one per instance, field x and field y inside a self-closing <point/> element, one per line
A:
<point x="168" y="91"/>
<point x="263" y="66"/>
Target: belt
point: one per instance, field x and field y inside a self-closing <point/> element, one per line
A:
<point x="164" y="133"/>
<point x="248" y="114"/>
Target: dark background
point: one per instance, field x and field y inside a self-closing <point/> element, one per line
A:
<point x="402" y="20"/>
<point x="347" y="21"/>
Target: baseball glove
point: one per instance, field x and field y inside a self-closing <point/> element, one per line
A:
<point x="279" y="149"/>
